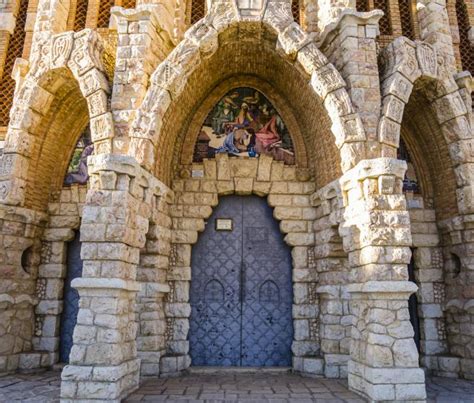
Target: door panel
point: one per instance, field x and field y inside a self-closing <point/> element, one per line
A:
<point x="71" y="298"/>
<point x="215" y="291"/>
<point x="241" y="289"/>
<point x="267" y="327"/>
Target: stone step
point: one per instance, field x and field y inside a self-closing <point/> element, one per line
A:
<point x="239" y="370"/>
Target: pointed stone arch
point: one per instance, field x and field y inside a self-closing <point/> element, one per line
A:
<point x="415" y="68"/>
<point x="295" y="48"/>
<point x="64" y="88"/>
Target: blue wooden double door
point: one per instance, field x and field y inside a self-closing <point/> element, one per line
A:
<point x="241" y="288"/>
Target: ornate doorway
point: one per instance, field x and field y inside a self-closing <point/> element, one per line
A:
<point x="241" y="288"/>
<point x="71" y="298"/>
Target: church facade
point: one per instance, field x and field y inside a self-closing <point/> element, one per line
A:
<point x="237" y="183"/>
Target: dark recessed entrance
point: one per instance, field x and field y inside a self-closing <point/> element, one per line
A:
<point x="241" y="288"/>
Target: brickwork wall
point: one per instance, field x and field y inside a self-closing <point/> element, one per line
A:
<point x="431" y="154"/>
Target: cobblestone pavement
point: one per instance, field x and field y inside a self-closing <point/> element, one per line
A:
<point x="214" y="387"/>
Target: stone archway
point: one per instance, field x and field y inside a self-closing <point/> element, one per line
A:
<point x="296" y="49"/>
<point x="64" y="86"/>
<point x="65" y="74"/>
<point x="416" y="77"/>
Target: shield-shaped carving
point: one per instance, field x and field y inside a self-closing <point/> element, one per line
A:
<point x="61" y="50"/>
<point x="426" y="56"/>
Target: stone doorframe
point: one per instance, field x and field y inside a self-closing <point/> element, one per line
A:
<point x="288" y="191"/>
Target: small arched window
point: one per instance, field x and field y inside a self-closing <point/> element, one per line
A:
<point x="198" y="10"/>
<point x="465" y="46"/>
<point x="103" y="18"/>
<point x="406" y="18"/>
<point x="81" y="15"/>
<point x="15" y="50"/>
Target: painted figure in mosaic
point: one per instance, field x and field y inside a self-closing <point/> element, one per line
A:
<point x="244" y="124"/>
<point x="77" y="171"/>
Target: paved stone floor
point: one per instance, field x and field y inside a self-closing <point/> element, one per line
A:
<point x="44" y="387"/>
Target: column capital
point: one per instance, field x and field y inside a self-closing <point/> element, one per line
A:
<point x="391" y="289"/>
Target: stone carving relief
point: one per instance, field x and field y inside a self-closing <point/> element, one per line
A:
<point x="61" y="49"/>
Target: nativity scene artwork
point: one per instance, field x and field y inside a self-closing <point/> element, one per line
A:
<point x="244" y="124"/>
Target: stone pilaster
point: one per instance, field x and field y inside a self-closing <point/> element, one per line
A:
<point x="152" y="274"/>
<point x="376" y="235"/>
<point x="332" y="264"/>
<point x="103" y="360"/>
<point x="144" y="40"/>
<point x="349" y="43"/>
<point x="459" y="303"/>
<point x="435" y="30"/>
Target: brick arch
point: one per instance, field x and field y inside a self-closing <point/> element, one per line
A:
<point x="430" y="153"/>
<point x="186" y="142"/>
<point x="414" y="70"/>
<point x="64" y="88"/>
<point x="288" y="45"/>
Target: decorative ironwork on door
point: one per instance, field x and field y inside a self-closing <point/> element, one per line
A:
<point x="71" y="298"/>
<point x="241" y="289"/>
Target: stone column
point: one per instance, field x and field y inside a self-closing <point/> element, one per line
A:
<point x="103" y="360"/>
<point x="144" y="40"/>
<point x="376" y="235"/>
<point x="435" y="29"/>
<point x="349" y="43"/>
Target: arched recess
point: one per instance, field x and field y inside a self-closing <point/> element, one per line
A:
<point x="423" y="105"/>
<point x="412" y="73"/>
<point x="188" y="135"/>
<point x="273" y="49"/>
<point x="57" y="134"/>
<point x="64" y="89"/>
